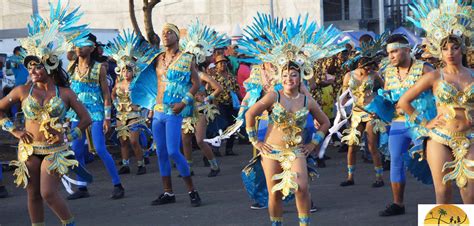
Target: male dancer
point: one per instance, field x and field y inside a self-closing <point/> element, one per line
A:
<point x="400" y="75"/>
<point x="178" y="81"/>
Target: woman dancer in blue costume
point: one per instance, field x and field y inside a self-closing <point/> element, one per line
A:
<point x="400" y="75"/>
<point x="43" y="154"/>
<point x="274" y="147"/>
<point x="89" y="82"/>
<point x="201" y="41"/>
<point x="448" y="148"/>
<point x="283" y="150"/>
<point x="361" y="83"/>
<point x="132" y="55"/>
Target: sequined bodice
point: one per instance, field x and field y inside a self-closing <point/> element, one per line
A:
<point x="292" y="124"/>
<point x="88" y="90"/>
<point x="449" y="96"/>
<point x="54" y="108"/>
<point x="396" y="87"/>
<point x="123" y="102"/>
<point x="361" y="89"/>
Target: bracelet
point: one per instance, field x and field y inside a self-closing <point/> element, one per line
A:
<point x="416" y="117"/>
<point x="188" y="94"/>
<point x="7" y="125"/>
<point x="252" y="133"/>
<point x="188" y="99"/>
<point x="108" y="112"/>
<point x="318" y="138"/>
<point x="75" y="134"/>
<point x="210" y="97"/>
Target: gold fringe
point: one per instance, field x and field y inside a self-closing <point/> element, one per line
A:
<point x="210" y="111"/>
<point x="21" y="173"/>
<point x="60" y="163"/>
<point x="459" y="144"/>
<point x="287" y="185"/>
<point x="379" y="126"/>
<point x="188" y="125"/>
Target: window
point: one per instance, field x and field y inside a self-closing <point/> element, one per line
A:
<point x="333" y="9"/>
<point x="367" y="9"/>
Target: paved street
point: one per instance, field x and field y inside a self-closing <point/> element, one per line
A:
<point x="225" y="202"/>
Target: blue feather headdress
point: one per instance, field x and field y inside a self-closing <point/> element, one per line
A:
<point x="280" y="41"/>
<point x="130" y="51"/>
<point x="371" y="50"/>
<point x="201" y="41"/>
<point x="442" y="18"/>
<point x="49" y="39"/>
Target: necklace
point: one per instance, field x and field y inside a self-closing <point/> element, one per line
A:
<point x="167" y="63"/>
<point x="408" y="71"/>
<point x="290" y="97"/>
<point x="82" y="73"/>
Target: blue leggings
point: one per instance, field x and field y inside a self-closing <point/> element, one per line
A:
<point x="399" y="141"/>
<point x="167" y="135"/>
<point x="1" y="173"/>
<point x="98" y="139"/>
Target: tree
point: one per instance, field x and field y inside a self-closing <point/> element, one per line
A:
<point x="442" y="213"/>
<point x="148" y="6"/>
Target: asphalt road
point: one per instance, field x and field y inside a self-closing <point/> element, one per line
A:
<point x="225" y="202"/>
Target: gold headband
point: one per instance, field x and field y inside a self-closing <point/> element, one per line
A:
<point x="172" y="27"/>
<point x="397" y="45"/>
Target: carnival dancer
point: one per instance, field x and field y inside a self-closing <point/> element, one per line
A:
<point x="361" y="83"/>
<point x="296" y="47"/>
<point x="449" y="152"/>
<point x="201" y="42"/>
<point x="132" y="55"/>
<point x="89" y="82"/>
<point x="400" y="75"/>
<point x="43" y="154"/>
<point x="177" y="81"/>
<point x="262" y="80"/>
<point x="226" y="100"/>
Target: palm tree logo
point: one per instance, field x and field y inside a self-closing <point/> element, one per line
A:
<point x="448" y="215"/>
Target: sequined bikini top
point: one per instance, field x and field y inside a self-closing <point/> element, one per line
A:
<point x="290" y="123"/>
<point x="361" y="89"/>
<point x="449" y="96"/>
<point x="54" y="108"/>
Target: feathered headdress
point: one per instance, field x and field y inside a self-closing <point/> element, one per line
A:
<point x="280" y="41"/>
<point x="441" y="19"/>
<point x="201" y="41"/>
<point x="130" y="51"/>
<point x="371" y="49"/>
<point x="49" y="39"/>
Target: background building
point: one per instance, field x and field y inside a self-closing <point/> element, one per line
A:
<point x="107" y="17"/>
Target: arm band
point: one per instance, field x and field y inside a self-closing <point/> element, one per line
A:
<point x="252" y="133"/>
<point x="417" y="118"/>
<point x="7" y="125"/>
<point x="108" y="112"/>
<point x="318" y="138"/>
<point x="211" y="97"/>
<point x="188" y="99"/>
